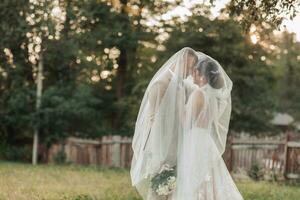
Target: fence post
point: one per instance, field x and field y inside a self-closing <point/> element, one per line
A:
<point x="230" y="153"/>
<point x="68" y="150"/>
<point x="116" y="151"/>
<point x="103" y="157"/>
<point x="285" y="167"/>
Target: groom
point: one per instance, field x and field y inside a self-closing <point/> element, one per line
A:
<point x="158" y="89"/>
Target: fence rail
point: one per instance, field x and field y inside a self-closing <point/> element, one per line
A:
<point x="275" y="155"/>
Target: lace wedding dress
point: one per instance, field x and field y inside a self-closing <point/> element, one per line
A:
<point x="184" y="124"/>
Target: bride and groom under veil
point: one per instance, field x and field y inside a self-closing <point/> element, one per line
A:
<point x="181" y="130"/>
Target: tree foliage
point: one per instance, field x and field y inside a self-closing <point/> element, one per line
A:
<point x="99" y="57"/>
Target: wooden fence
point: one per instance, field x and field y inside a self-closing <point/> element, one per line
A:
<point x="279" y="155"/>
<point x="107" y="151"/>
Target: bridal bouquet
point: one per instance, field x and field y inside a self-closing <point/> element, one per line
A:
<point x="164" y="182"/>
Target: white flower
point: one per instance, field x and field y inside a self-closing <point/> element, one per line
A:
<point x="171" y="182"/>
<point x="165" y="167"/>
<point x="171" y="179"/>
<point x="163" y="190"/>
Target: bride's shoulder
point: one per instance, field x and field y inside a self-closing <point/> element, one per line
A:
<point x="198" y="93"/>
<point x="198" y="96"/>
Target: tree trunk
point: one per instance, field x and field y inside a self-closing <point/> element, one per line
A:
<point x="121" y="73"/>
<point x="121" y="76"/>
<point x="38" y="106"/>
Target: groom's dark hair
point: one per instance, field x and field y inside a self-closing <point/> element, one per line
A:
<point x="192" y="53"/>
<point x="210" y="70"/>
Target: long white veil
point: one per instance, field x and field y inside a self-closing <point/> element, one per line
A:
<point x="182" y="124"/>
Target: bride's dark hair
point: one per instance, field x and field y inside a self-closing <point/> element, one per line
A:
<point x="210" y="70"/>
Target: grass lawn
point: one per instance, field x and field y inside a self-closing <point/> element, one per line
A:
<point x="25" y="182"/>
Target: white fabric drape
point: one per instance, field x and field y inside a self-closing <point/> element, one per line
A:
<point x="180" y="123"/>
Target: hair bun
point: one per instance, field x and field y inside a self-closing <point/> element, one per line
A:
<point x="210" y="70"/>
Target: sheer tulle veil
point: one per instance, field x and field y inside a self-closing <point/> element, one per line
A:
<point x="183" y="124"/>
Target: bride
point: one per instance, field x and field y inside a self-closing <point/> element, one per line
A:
<point x="181" y="130"/>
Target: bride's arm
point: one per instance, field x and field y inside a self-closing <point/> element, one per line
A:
<point x="155" y="95"/>
<point x="185" y="89"/>
<point x="196" y="113"/>
<point x="197" y="102"/>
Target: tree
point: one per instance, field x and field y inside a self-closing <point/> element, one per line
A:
<point x="249" y="12"/>
<point x="245" y="63"/>
<point x="17" y="84"/>
<point x="99" y="56"/>
<point x="285" y="51"/>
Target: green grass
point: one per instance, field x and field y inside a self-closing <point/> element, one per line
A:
<point x="25" y="182"/>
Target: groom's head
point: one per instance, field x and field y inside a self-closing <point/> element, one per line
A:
<point x="191" y="60"/>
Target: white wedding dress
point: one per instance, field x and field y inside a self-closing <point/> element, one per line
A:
<point x="180" y="123"/>
<point x="202" y="173"/>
